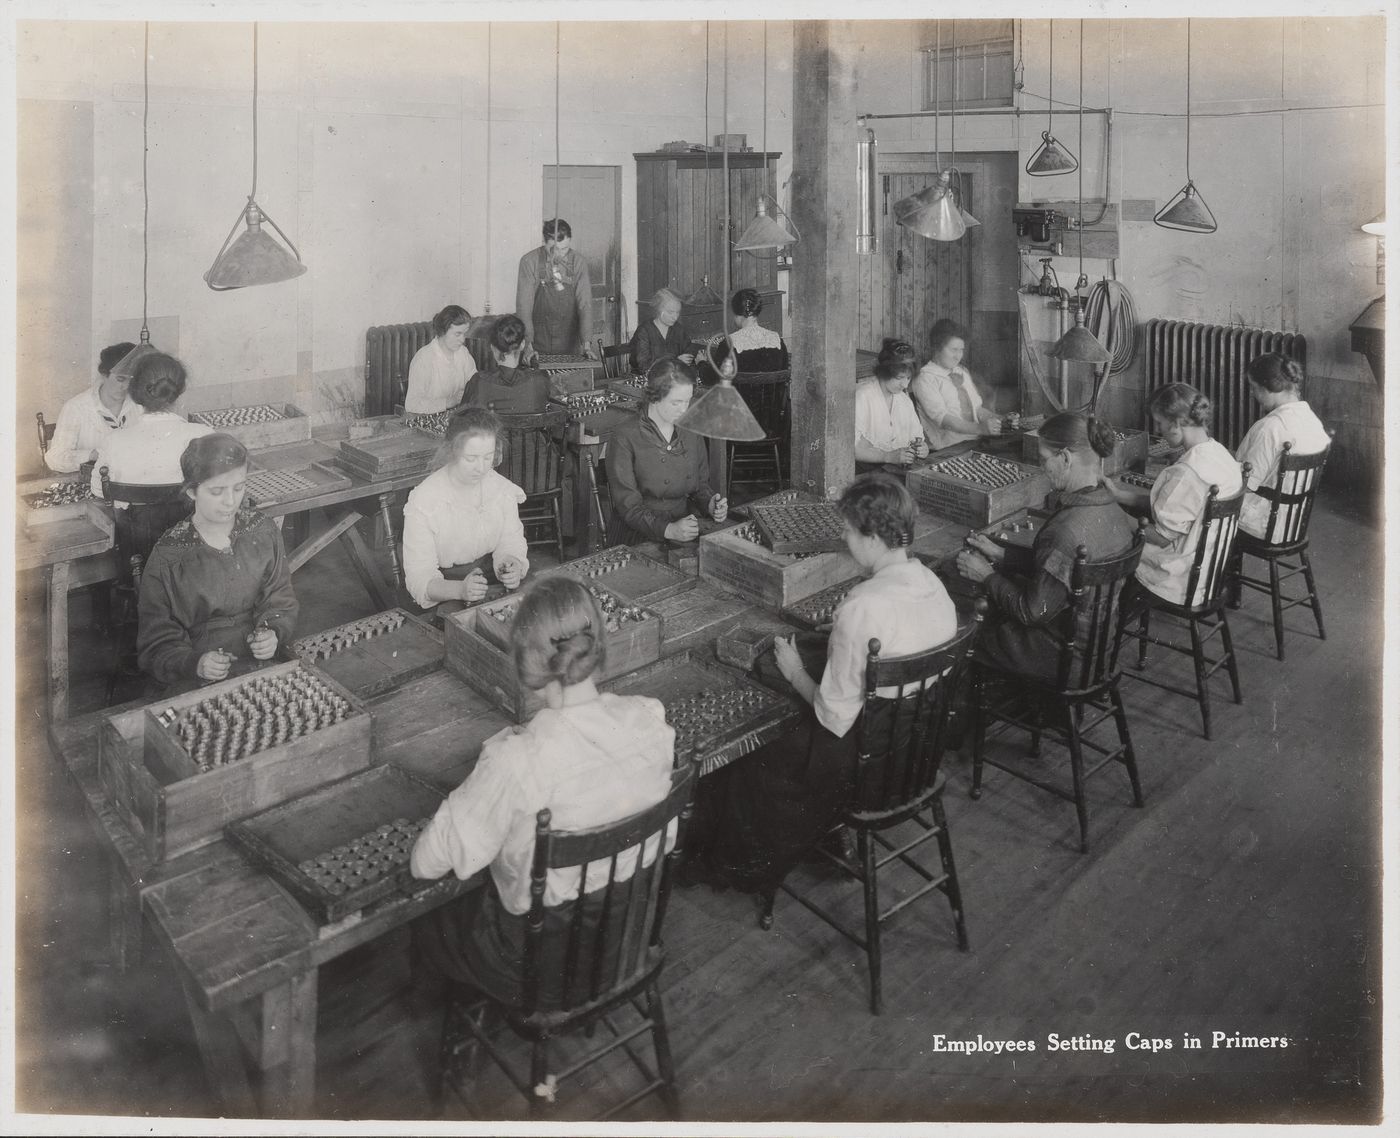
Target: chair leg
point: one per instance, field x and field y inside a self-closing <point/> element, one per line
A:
<point x="1143" y="618"/>
<point x="729" y="467"/>
<point x="765" y="908"/>
<point x="872" y="918"/>
<point x="979" y="732"/>
<point x="661" y="1042"/>
<point x="777" y="467"/>
<point x="1076" y="770"/>
<point x="950" y="887"/>
<point x="1314" y="602"/>
<point x="558" y="529"/>
<point x="1276" y="599"/>
<point x="1198" y="660"/>
<point x="541" y="1092"/>
<point x="1227" y="642"/>
<point x="1120" y="717"/>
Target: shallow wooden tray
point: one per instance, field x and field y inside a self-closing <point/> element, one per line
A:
<point x="270" y="487"/>
<point x="293" y="427"/>
<point x="623" y="570"/>
<point x="801" y="527"/>
<point x="369" y="665"/>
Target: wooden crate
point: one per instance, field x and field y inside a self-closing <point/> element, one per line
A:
<point x="737" y="559"/>
<point x="269" y="487"/>
<point x="172" y="816"/>
<point x="292" y="425"/>
<point x="719" y="714"/>
<point x="485" y="668"/>
<point x="630" y="643"/>
<point x="818" y="610"/>
<point x="91" y="509"/>
<point x="974" y="503"/>
<point x="375" y="654"/>
<point x="389" y="455"/>
<point x="623" y="570"/>
<point x="801" y="527"/>
<point x="693" y="619"/>
<point x="285" y="841"/>
<point x="1129" y="450"/>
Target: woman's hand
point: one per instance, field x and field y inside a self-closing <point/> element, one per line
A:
<point x="686" y="357"/>
<point x="981" y="543"/>
<point x="788" y="659"/>
<point x="510" y="572"/>
<point x="590" y="350"/>
<point x="719" y="508"/>
<point x="263" y="644"/>
<point x="213" y="665"/>
<point x="685" y="529"/>
<point x="974" y="566"/>
<point x="473" y="586"/>
<point x="920" y="447"/>
<point x="990" y="426"/>
<point x="902" y="457"/>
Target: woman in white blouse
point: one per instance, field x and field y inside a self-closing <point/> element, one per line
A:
<point x="461" y="525"/>
<point x="887" y="426"/>
<point x="438" y="374"/>
<point x="85" y="421"/>
<point x="949" y="404"/>
<point x="147" y="450"/>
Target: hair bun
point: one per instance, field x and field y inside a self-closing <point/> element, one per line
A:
<point x="1100" y="436"/>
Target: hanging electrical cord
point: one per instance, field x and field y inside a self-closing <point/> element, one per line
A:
<point x="556" y="130"/>
<point x="145" y="181"/>
<point x="1110" y="315"/>
<point x="487" y="290"/>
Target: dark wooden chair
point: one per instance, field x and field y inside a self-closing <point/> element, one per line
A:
<point x="1290" y="501"/>
<point x="1086" y="680"/>
<point x="1204" y="618"/>
<point x="583" y="964"/>
<point x="46" y="431"/>
<point x="766" y="393"/>
<point x="900" y="743"/>
<point x="614" y="358"/>
<point x="533" y="458"/>
<point x="150" y="511"/>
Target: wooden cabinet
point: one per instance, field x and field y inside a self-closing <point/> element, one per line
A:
<point x="680" y="219"/>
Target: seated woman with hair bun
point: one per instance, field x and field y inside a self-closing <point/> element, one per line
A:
<point x="589" y="757"/>
<point x="1177" y="501"/>
<point x="440" y="369"/>
<point x="1020" y="635"/>
<point x="759" y="348"/>
<point x="506" y="387"/>
<point x="216" y="592"/>
<point x="461" y="524"/>
<point x="1275" y="381"/>
<point x="888" y="430"/>
<point x="148" y="452"/>
<point x="771" y="809"/>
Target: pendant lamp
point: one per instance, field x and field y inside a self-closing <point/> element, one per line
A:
<point x="936" y="211"/>
<point x="255" y="258"/>
<point x="1079" y="345"/>
<point x="722" y="413"/>
<point x="1187" y="210"/>
<point x="1050" y="156"/>
<point x="764" y="232"/>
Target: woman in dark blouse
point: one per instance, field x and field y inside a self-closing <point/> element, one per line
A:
<point x="506" y="387"/>
<point x="662" y="336"/>
<point x="216" y="593"/>
<point x="658" y="474"/>
<point x="1021" y="634"/>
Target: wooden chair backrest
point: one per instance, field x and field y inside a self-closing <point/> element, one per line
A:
<point x="1291" y="496"/>
<point x="766" y="393"/>
<point x="900" y="739"/>
<point x="612" y="358"/>
<point x="151" y="510"/>
<point x="1220" y="522"/>
<point x="531" y="454"/>
<point x="1089" y="627"/>
<point x="609" y="934"/>
<point x="46" y="431"/>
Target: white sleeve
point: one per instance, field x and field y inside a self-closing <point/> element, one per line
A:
<point x="842" y="690"/>
<point x="865" y="417"/>
<point x="419" y="397"/>
<point x="1260" y="449"/>
<point x="420" y="556"/>
<point x="472" y="824"/>
<point x="511" y="542"/>
<point x="64" y="453"/>
<point x="927" y="392"/>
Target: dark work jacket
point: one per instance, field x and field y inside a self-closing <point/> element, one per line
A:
<point x="508" y="390"/>
<point x="1023" y="636"/>
<point x="654" y="483"/>
<point x="649" y="345"/>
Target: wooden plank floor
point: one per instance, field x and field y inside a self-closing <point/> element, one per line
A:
<point x="1243" y="898"/>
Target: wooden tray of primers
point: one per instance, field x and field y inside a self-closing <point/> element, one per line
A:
<point x="59" y="501"/>
<point x="345" y="846"/>
<point x="801" y="527"/>
<point x="376" y="653"/>
<point x="718" y="714"/>
<point x="258" y="425"/>
<point x="779" y="498"/>
<point x="818" y="610"/>
<point x="737" y="559"/>
<point x="1018" y="530"/>
<point x="1134" y="479"/>
<point x="268" y="487"/>
<point x="632" y="634"/>
<point x="389" y="455"/>
<point x="630" y="574"/>
<point x="977" y="488"/>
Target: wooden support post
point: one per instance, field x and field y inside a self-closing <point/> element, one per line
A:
<point x="824" y="301"/>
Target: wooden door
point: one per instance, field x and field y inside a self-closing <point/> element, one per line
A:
<point x="590" y="200"/>
<point x="924" y="280"/>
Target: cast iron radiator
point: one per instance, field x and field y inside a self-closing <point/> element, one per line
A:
<point x="389" y="350"/>
<point x="1212" y="358"/>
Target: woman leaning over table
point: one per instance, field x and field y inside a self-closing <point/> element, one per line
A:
<point x="659" y="474"/>
<point x="887" y="426"/>
<point x="661" y="337"/>
<point x="441" y="368"/>
<point x="216" y="592"/>
<point x="591" y="758"/>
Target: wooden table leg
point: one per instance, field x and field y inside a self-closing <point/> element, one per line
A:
<point x="387" y="520"/>
<point x="124" y="917"/>
<point x="308" y="549"/>
<point x="362" y="559"/>
<point x="222" y="1056"/>
<point x="58" y="641"/>
<point x="289" y="1011"/>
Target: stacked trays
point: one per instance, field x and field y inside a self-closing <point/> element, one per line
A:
<point x="394" y="454"/>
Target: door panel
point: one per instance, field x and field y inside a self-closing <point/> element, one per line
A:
<point x="590" y="201"/>
<point x="924" y="280"/>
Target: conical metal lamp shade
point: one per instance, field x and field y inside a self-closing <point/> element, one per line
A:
<point x="932" y="212"/>
<point x="763" y="232"/>
<point x="1051" y="158"/>
<point x="126" y="366"/>
<point x="968" y="219"/>
<point x="1187" y="211"/>
<point x="1079" y="345"/>
<point x="1376" y="226"/>
<point x="254" y="258"/>
<point x="721" y="413"/>
<point x="704" y="294"/>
